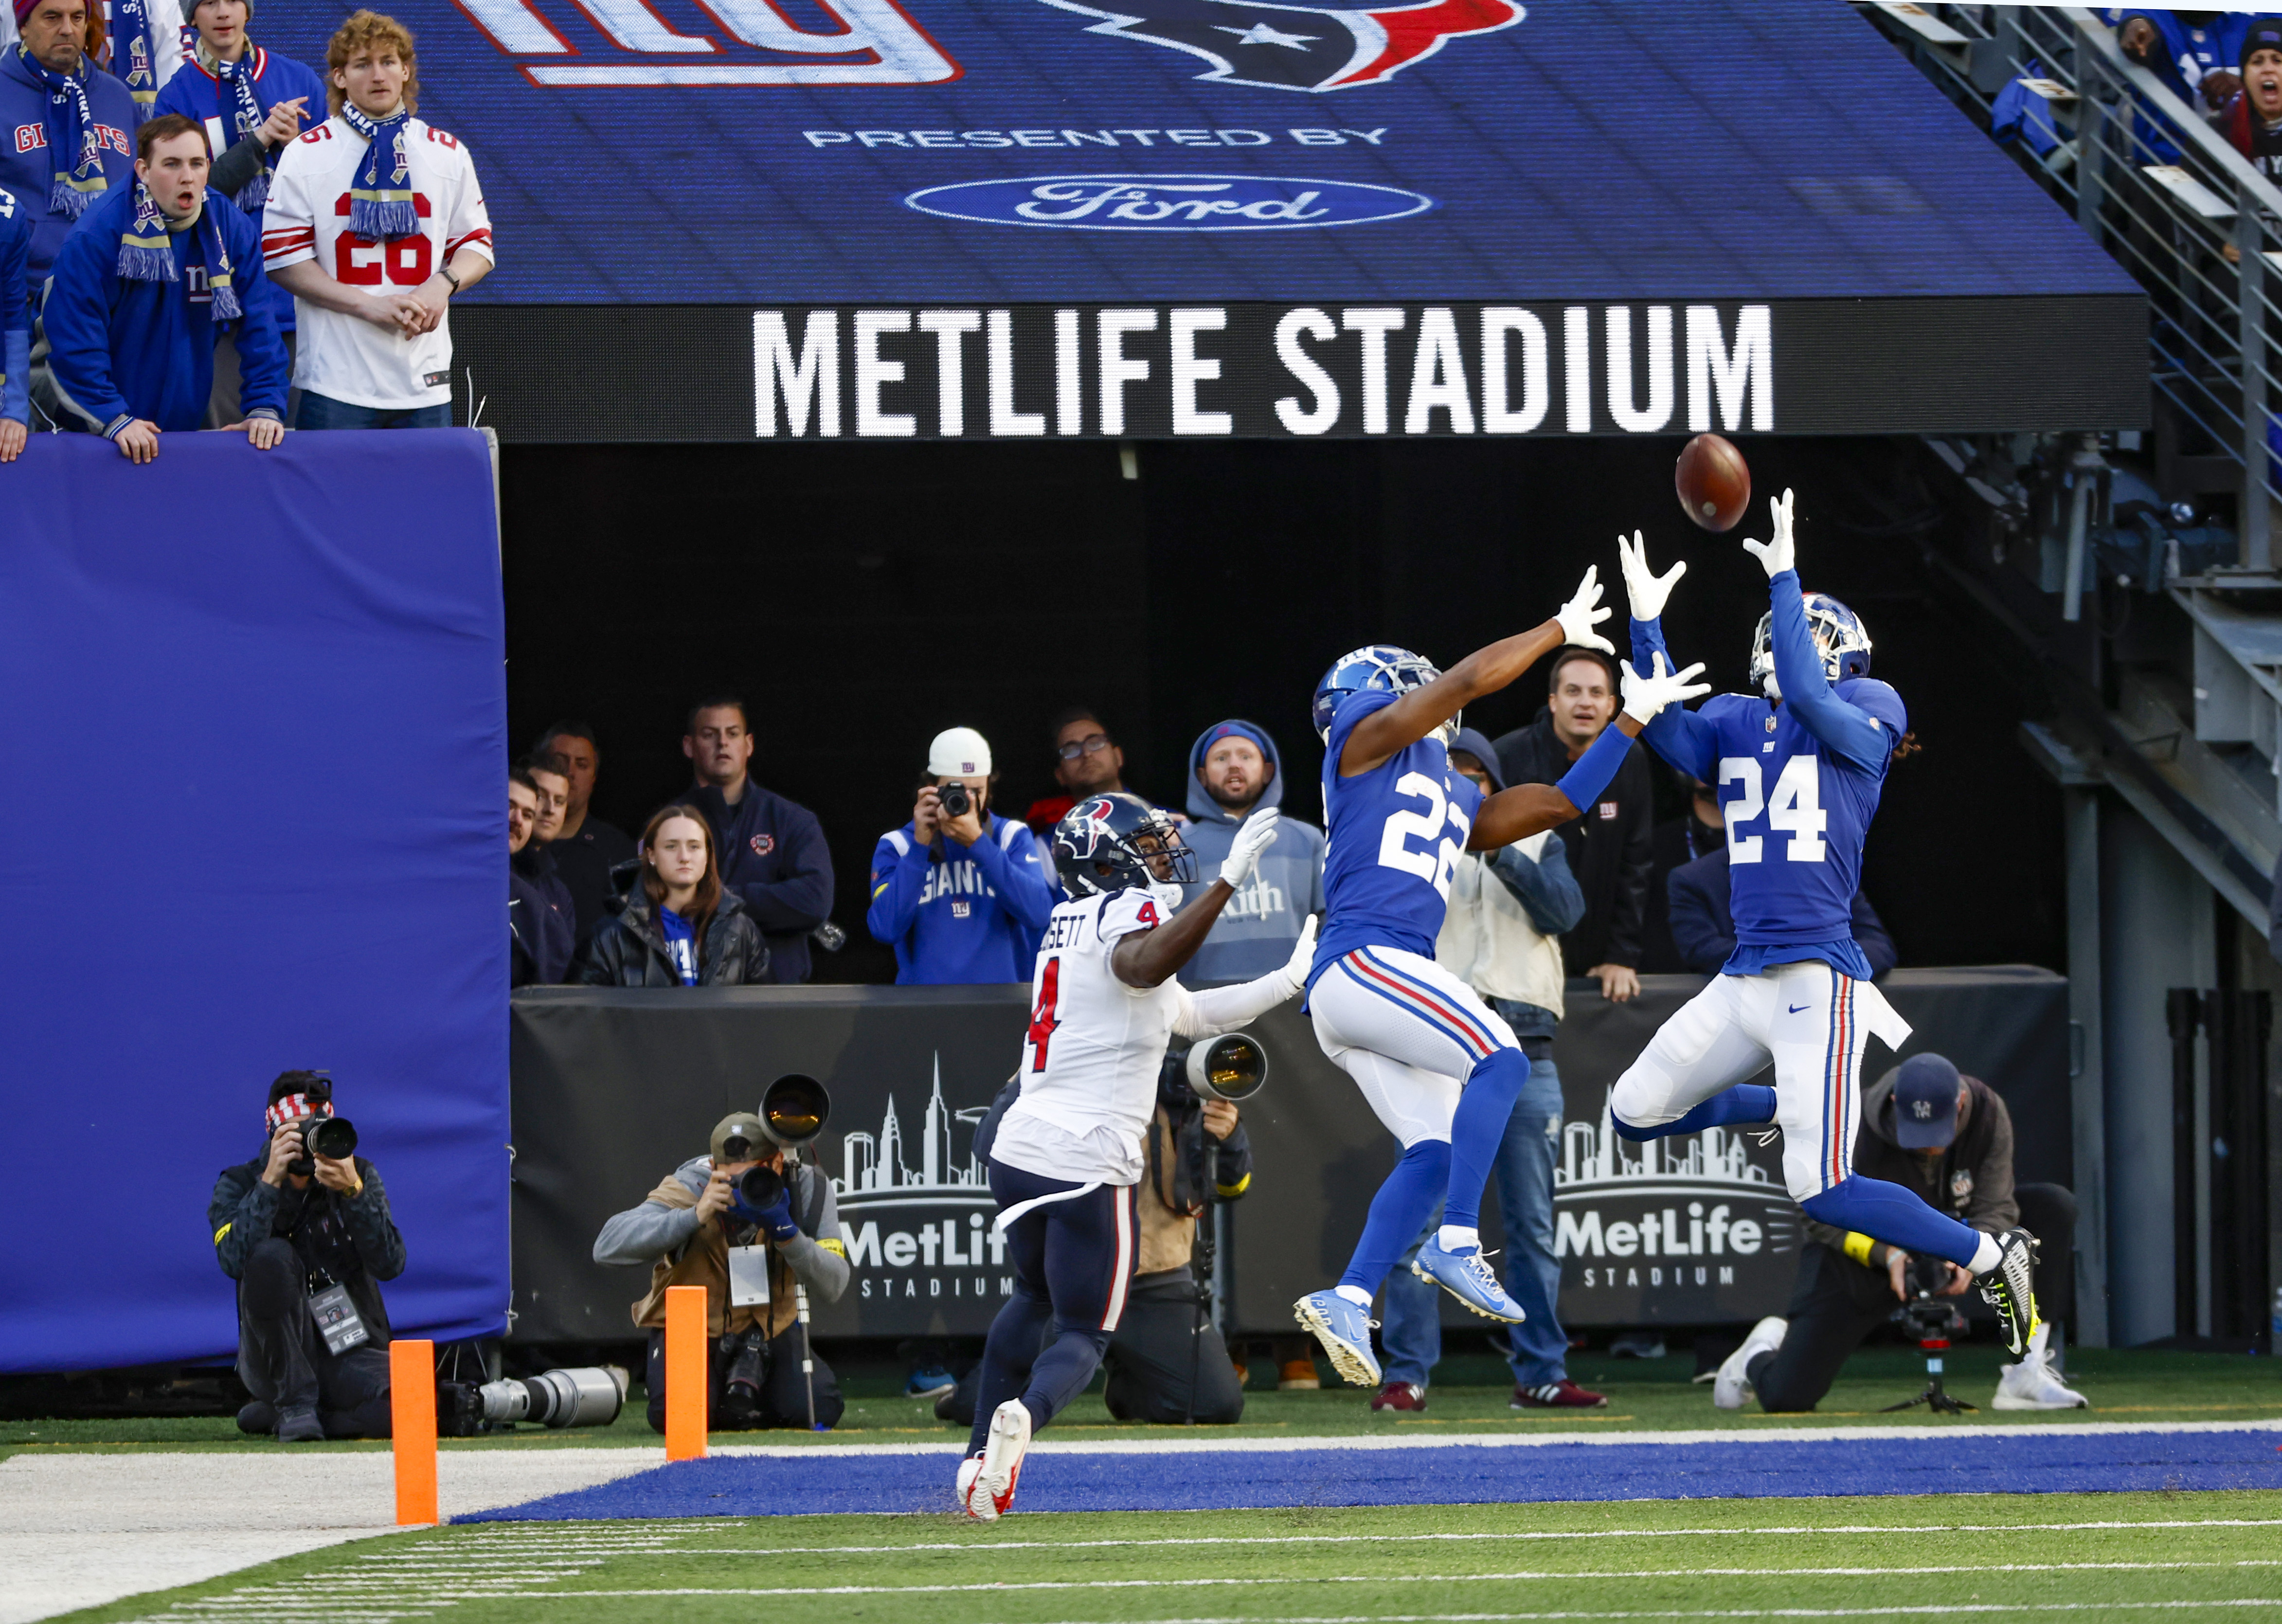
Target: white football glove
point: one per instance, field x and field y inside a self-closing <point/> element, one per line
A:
<point x="1647" y="591"/>
<point x="1252" y="837"/>
<point x="1778" y="554"/>
<point x="1302" y="959"/>
<point x="1577" y="617"/>
<point x="1644" y="696"/>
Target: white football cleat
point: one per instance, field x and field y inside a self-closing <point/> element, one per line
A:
<point x="990" y="1493"/>
<point x="2033" y="1384"/>
<point x="969" y="1470"/>
<point x="1733" y="1385"/>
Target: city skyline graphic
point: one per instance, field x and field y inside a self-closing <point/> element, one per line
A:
<point x="874" y="1171"/>
<point x="1593" y="1154"/>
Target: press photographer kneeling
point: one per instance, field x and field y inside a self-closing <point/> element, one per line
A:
<point x="1950" y="1138"/>
<point x="304" y="1230"/>
<point x="755" y="1227"/>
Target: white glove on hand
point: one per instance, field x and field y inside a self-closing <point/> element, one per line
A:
<point x="1778" y="554"/>
<point x="1577" y="617"/>
<point x="1647" y="591"/>
<point x="1252" y="837"/>
<point x="1302" y="959"/>
<point x="1644" y="696"/>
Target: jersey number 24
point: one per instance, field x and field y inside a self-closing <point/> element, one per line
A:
<point x="1796" y="808"/>
<point x="1431" y="862"/>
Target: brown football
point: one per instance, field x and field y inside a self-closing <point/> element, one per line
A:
<point x="1713" y="481"/>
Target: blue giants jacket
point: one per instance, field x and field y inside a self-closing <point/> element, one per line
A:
<point x="123" y="350"/>
<point x="960" y="915"/>
<point x="197" y="95"/>
<point x="1254" y="932"/>
<point x="15" y="310"/>
<point x="25" y="166"/>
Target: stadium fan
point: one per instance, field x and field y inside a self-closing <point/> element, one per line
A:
<point x="1704" y="920"/>
<point x="588" y="849"/>
<point x="2253" y="119"/>
<point x="2196" y="53"/>
<point x="677" y="927"/>
<point x="1502" y="937"/>
<point x="74" y="129"/>
<point x="1234" y="773"/>
<point x="1697" y="832"/>
<point x="1609" y="846"/>
<point x="140" y="43"/>
<point x="540" y="934"/>
<point x="306" y="1231"/>
<point x="697" y="1228"/>
<point x="1949" y="1139"/>
<point x="375" y="220"/>
<point x="1087" y="761"/>
<point x="959" y="891"/>
<point x="773" y="852"/>
<point x="15" y="326"/>
<point x="145" y="282"/>
<point x="548" y="916"/>
<point x="252" y="103"/>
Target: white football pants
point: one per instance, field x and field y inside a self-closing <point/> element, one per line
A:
<point x="1408" y="1032"/>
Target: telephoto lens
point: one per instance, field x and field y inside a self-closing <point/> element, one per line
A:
<point x="333" y="1137"/>
<point x="589" y="1395"/>
<point x="795" y="1110"/>
<point x="1232" y="1067"/>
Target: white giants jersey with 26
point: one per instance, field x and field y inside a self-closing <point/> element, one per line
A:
<point x="1090" y="1059"/>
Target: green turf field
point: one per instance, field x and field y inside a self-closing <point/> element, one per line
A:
<point x="2086" y="1556"/>
<point x="1651" y="1394"/>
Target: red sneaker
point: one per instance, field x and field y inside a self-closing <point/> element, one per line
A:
<point x="1562" y="1394"/>
<point x="1399" y="1396"/>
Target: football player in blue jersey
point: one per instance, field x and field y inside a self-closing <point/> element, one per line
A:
<point x="1440" y="1069"/>
<point x="1798" y="767"/>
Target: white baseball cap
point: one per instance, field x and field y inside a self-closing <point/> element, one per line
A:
<point x="959" y="752"/>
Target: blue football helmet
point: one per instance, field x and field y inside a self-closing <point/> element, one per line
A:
<point x="1838" y="633"/>
<point x="1382" y="665"/>
<point x="1098" y="846"/>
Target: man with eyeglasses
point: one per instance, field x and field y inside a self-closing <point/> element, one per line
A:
<point x="1087" y="761"/>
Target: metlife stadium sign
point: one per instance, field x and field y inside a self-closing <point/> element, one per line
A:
<point x="994" y="219"/>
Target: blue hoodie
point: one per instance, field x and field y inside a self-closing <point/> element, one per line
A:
<point x="1255" y="933"/>
<point x="960" y="915"/>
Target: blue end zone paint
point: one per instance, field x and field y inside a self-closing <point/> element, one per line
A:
<point x="2028" y="1463"/>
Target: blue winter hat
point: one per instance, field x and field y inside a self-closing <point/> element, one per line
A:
<point x="1233" y="728"/>
<point x="1925" y="1103"/>
<point x="1477" y="745"/>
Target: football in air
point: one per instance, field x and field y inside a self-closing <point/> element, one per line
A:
<point x="1713" y="481"/>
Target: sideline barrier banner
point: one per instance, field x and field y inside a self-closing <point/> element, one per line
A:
<point x="614" y="1088"/>
<point x="255" y="712"/>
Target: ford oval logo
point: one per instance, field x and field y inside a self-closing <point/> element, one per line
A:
<point x="1169" y="202"/>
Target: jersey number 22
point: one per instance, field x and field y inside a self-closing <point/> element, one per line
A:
<point x="1432" y="863"/>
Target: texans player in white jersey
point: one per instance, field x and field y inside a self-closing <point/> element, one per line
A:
<point x="1442" y="1071"/>
<point x="1798" y="766"/>
<point x="1069" y="1150"/>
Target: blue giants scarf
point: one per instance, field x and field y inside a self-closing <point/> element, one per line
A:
<point x="237" y="81"/>
<point x="380" y="198"/>
<point x="70" y="129"/>
<point x="146" y="252"/>
<point x="134" y="54"/>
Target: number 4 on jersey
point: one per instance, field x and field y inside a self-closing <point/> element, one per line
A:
<point x="1044" y="1018"/>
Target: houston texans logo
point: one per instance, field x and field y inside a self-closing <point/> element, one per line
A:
<point x="1277" y="47"/>
<point x="1095" y="815"/>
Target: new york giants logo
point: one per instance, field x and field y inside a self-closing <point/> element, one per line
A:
<point x="1312" y="48"/>
<point x="621" y="43"/>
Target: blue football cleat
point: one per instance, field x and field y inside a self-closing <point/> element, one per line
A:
<point x="1344" y="1329"/>
<point x="1468" y="1277"/>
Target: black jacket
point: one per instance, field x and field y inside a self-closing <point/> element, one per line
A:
<point x="1608" y="846"/>
<point x="353" y="1240"/>
<point x="584" y="860"/>
<point x="774" y="859"/>
<point x="1673" y="844"/>
<point x="542" y="919"/>
<point x="629" y="951"/>
<point x="1704" y="922"/>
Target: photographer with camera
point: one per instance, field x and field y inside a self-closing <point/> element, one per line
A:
<point x="1949" y="1139"/>
<point x="305" y="1229"/>
<point x="755" y="1228"/>
<point x="959" y="891"/>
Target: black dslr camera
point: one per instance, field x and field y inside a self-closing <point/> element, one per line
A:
<point x="956" y="800"/>
<point x="333" y="1137"/>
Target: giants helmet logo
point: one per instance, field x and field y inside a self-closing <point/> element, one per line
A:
<point x="1279" y="47"/>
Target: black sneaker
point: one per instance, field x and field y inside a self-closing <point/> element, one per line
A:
<point x="2008" y="1287"/>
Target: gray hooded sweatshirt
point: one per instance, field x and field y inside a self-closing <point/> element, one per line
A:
<point x="1255" y="933"/>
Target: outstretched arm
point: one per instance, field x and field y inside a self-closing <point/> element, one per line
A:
<point x="1846" y="729"/>
<point x="1518" y="812"/>
<point x="1391" y="728"/>
<point x="1153" y="957"/>
<point x="1681" y="737"/>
